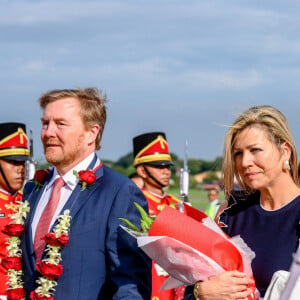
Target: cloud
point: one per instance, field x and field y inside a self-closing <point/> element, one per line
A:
<point x="181" y="67"/>
<point x="37" y="12"/>
<point x="34" y="66"/>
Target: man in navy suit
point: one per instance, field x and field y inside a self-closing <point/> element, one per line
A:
<point x="100" y="260"/>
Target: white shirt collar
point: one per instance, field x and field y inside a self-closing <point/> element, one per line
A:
<point x="69" y="178"/>
<point x="157" y="195"/>
<point x="6" y="192"/>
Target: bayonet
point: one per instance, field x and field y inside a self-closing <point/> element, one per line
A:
<point x="184" y="177"/>
<point x="30" y="164"/>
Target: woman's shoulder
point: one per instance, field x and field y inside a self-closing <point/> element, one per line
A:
<point x="238" y="201"/>
<point x="241" y="200"/>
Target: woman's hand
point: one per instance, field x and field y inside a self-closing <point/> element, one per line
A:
<point x="226" y="286"/>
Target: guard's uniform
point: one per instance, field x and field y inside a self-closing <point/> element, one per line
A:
<point x="156" y="203"/>
<point x="7" y="205"/>
<point x="13" y="148"/>
<point x="159" y="275"/>
<point x="152" y="149"/>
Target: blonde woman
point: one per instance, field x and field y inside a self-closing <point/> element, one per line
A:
<point x="260" y="155"/>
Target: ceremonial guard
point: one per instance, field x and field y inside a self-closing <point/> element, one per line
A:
<point x="13" y="154"/>
<point x="153" y="161"/>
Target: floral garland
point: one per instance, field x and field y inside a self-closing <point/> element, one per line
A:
<point x="50" y="268"/>
<point x="12" y="263"/>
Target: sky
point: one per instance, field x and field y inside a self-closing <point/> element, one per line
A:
<point x="186" y="68"/>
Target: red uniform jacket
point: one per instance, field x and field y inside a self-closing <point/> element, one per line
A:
<point x="156" y="204"/>
<point x="7" y="205"/>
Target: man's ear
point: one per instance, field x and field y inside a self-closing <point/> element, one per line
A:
<point x="141" y="171"/>
<point x="93" y="132"/>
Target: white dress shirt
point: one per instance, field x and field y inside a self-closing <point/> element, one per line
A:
<point x="70" y="183"/>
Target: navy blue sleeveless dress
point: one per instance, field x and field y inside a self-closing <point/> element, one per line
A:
<point x="272" y="235"/>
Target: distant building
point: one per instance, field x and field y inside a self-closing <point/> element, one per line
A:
<point x="199" y="178"/>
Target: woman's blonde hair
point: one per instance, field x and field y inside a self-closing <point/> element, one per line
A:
<point x="274" y="123"/>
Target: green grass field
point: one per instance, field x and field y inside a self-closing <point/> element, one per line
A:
<point x="197" y="197"/>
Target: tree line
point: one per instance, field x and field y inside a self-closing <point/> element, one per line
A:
<point x="195" y="166"/>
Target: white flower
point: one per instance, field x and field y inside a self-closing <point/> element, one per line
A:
<point x="46" y="286"/>
<point x="20" y="212"/>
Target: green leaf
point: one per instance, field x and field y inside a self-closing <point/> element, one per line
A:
<point x="145" y="217"/>
<point x="129" y="224"/>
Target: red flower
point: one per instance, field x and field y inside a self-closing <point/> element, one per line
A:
<point x="12" y="262"/>
<point x="49" y="271"/>
<point x="15" y="294"/>
<point x="13" y="229"/>
<point x="40" y="177"/>
<point x="35" y="296"/>
<point x="51" y="239"/>
<point x="87" y="176"/>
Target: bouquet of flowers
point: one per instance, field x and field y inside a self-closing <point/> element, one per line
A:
<point x="190" y="246"/>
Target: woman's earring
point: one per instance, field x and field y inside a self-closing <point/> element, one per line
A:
<point x="286" y="165"/>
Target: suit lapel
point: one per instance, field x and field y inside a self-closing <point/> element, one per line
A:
<point x="36" y="195"/>
<point x="33" y="199"/>
<point x="74" y="203"/>
<point x="79" y="197"/>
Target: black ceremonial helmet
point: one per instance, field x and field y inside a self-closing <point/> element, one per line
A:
<point x="13" y="142"/>
<point x="151" y="149"/>
<point x="13" y="145"/>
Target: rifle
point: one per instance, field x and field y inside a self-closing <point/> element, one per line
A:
<point x="184" y="180"/>
<point x="292" y="280"/>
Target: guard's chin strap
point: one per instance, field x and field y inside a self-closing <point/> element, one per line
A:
<point x="5" y="179"/>
<point x="153" y="178"/>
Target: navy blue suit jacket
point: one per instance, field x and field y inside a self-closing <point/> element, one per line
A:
<point x="101" y="260"/>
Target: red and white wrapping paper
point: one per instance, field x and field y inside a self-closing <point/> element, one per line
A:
<point x="191" y="247"/>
